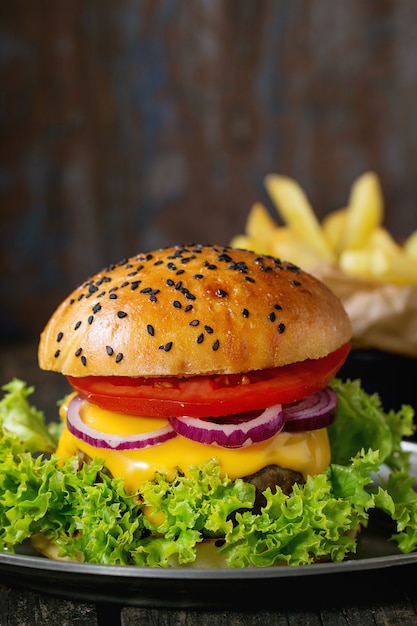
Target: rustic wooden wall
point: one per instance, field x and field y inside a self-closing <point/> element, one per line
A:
<point x="140" y="123"/>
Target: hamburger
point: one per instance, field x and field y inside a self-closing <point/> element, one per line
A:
<point x="196" y="427"/>
<point x="192" y="352"/>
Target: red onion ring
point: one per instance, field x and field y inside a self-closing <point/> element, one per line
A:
<point x="98" y="439"/>
<point x="231" y="434"/>
<point x="315" y="411"/>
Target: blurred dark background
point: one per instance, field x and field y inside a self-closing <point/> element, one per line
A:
<point x="140" y="123"/>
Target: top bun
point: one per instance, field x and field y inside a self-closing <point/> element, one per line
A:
<point x="193" y="309"/>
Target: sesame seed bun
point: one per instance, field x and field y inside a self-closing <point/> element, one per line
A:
<point x="189" y="310"/>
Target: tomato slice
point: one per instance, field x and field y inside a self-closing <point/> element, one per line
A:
<point x="210" y="396"/>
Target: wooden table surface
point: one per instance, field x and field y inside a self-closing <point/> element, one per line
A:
<point x="383" y="596"/>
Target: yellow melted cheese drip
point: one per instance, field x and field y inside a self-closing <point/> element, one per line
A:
<point x="306" y="452"/>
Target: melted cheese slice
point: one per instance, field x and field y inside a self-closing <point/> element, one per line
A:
<point x="307" y="452"/>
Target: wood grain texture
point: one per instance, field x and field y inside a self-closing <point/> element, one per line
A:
<point x="142" y="123"/>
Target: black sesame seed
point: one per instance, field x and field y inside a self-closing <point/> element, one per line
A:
<point x="119" y="357"/>
<point x="170" y="282"/>
<point x="215" y="345"/>
<point x="153" y="298"/>
<point x="113" y="296"/>
<point x="194" y="322"/>
<point x="146" y="290"/>
<point x="208" y="329"/>
<point x="200" y="338"/>
<point x="150" y="329"/>
<point x="240" y="266"/>
<point x="57" y="353"/>
<point x="90" y="319"/>
<point x="245" y="312"/>
<point x="59" y="336"/>
<point x="77" y="325"/>
<point x="178" y="285"/>
<point x="272" y="317"/>
<point x="135" y="284"/>
<point x="188" y="308"/>
<point x="221" y="293"/>
<point x="125" y="284"/>
<point x="281" y="328"/>
<point x="167" y="347"/>
<point x="96" y="308"/>
<point x="198" y="276"/>
<point x="78" y="351"/>
<point x="178" y="272"/>
<point x="177" y="304"/>
<point x="109" y="350"/>
<point x="83" y="360"/>
<point x="121" y="314"/>
<point x="278" y="307"/>
<point x="249" y="279"/>
<point x="296" y="283"/>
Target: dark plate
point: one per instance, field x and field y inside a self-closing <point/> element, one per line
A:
<point x="214" y="588"/>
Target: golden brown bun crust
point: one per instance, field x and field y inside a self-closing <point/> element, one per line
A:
<point x="190" y="310"/>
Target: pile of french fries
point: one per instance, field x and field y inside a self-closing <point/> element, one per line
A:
<point x="352" y="238"/>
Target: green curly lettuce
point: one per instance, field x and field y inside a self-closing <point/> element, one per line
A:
<point x="361" y="422"/>
<point x="88" y="515"/>
<point x="19" y="417"/>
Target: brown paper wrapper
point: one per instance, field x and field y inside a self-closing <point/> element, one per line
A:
<point x="383" y="316"/>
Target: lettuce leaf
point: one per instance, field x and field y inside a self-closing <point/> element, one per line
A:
<point x="89" y="516"/>
<point x="19" y="417"/>
<point x="361" y="422"/>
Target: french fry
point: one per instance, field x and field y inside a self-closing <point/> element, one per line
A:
<point x="394" y="268"/>
<point x="333" y="226"/>
<point x="379" y="264"/>
<point x="258" y="231"/>
<point x="410" y="245"/>
<point x="357" y="263"/>
<point x="352" y="238"/>
<point x="365" y="211"/>
<point x="260" y="225"/>
<point x="286" y="245"/>
<point x="244" y="242"/>
<point x="381" y="239"/>
<point x="297" y="213"/>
